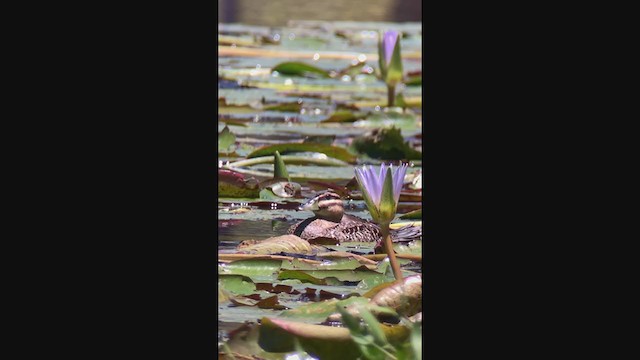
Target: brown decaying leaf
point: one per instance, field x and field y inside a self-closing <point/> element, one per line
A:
<point x="274" y="245"/>
<point x="267" y="303"/>
<point x="404" y="297"/>
<point x="276" y="289"/>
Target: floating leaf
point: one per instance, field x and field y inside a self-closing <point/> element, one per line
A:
<point x="302" y="276"/>
<point x="300" y="69"/>
<point x="285" y="107"/>
<point x="235" y="185"/>
<point x="415" y="214"/>
<point x="331" y="151"/>
<point x="343" y="116"/>
<point x="414" y="248"/>
<point x="404" y="297"/>
<point x="336" y="264"/>
<point x="278" y="244"/>
<point x="320" y="310"/>
<point x="368" y="278"/>
<point x="267" y="303"/>
<point x="324" y="342"/>
<point x="237" y="284"/>
<point x="256" y="269"/>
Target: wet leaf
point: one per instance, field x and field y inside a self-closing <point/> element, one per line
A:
<point x="336" y="264"/>
<point x="237" y="284"/>
<point x="404" y="297"/>
<point x="320" y="310"/>
<point x="256" y="269"/>
<point x="300" y="69"/>
<point x="331" y="151"/>
<point x="300" y="275"/>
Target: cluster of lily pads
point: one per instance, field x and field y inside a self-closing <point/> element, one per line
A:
<point x="290" y="129"/>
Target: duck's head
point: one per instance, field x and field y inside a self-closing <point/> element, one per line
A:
<point x="327" y="206"/>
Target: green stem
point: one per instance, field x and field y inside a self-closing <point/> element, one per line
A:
<point x="388" y="245"/>
<point x="391" y="95"/>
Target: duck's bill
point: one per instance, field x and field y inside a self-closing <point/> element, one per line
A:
<point x="311" y="205"/>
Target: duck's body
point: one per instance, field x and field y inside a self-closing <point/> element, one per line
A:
<point x="350" y="229"/>
<point x="331" y="222"/>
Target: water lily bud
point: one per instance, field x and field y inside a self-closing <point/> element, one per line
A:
<point x="390" y="59"/>
<point x="381" y="189"/>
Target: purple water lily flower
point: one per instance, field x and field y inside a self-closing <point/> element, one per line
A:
<point x="372" y="181"/>
<point x="389" y="40"/>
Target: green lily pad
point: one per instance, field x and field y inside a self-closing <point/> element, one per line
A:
<point x="336" y="264"/>
<point x="237" y="284"/>
<point x="320" y="310"/>
<point x="300" y="69"/>
<point x="336" y="152"/>
<point x="263" y="270"/>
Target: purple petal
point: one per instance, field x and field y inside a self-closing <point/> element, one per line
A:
<point x="381" y="175"/>
<point x="376" y="185"/>
<point x="369" y="182"/>
<point x="389" y="43"/>
<point x="398" y="180"/>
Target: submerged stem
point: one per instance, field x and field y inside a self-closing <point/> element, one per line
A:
<point x="388" y="246"/>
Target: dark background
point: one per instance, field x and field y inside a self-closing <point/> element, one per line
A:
<point x="118" y="180"/>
